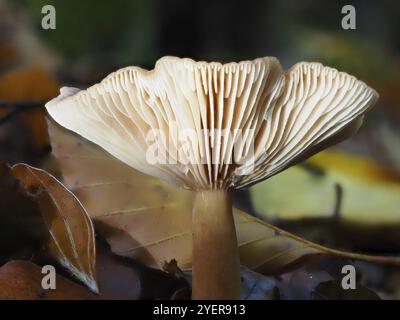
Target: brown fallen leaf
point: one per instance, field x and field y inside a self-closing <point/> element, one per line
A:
<point x="27" y="84"/>
<point x="70" y="228"/>
<point x="141" y="217"/>
<point x="8" y="53"/>
<point x="21" y="280"/>
<point x="146" y="219"/>
<point x="31" y="84"/>
<point x="271" y="250"/>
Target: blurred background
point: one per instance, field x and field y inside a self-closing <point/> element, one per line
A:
<point x="352" y="189"/>
<point x="94" y="38"/>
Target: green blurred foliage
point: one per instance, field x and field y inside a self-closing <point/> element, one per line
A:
<point x="365" y="58"/>
<point x="97" y="37"/>
<point x="98" y="33"/>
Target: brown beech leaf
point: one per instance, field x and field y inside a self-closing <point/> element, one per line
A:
<point x="21" y="280"/>
<point x="144" y="218"/>
<point x="140" y="216"/>
<point x="71" y="231"/>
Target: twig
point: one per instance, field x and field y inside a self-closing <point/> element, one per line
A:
<point x="338" y="201"/>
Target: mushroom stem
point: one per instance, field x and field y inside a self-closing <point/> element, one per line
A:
<point x="216" y="267"/>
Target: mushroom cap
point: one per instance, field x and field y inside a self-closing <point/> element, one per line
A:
<point x="210" y="125"/>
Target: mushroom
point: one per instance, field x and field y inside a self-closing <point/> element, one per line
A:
<point x="213" y="127"/>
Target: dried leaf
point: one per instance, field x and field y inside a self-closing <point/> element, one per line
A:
<point x="30" y="84"/>
<point x="271" y="250"/>
<point x="8" y="54"/>
<point x="141" y="216"/>
<point x="27" y="84"/>
<point x="71" y="231"/>
<point x="21" y="280"/>
<point x="149" y="220"/>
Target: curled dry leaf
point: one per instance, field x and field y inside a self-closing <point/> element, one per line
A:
<point x="21" y="280"/>
<point x="146" y="219"/>
<point x="71" y="231"/>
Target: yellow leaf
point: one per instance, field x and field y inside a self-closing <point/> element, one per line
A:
<point x="369" y="193"/>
